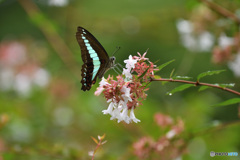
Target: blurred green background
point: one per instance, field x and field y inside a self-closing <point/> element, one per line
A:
<point x="55" y="120"/>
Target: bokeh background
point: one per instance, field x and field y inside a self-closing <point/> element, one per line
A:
<point x="45" y="114"/>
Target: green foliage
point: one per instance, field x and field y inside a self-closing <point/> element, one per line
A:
<point x="202" y="88"/>
<point x="180" y="88"/>
<point x="208" y="73"/>
<point x="228" y="102"/>
<point x="144" y="73"/>
<point x="164" y="65"/>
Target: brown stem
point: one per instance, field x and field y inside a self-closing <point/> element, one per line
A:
<point x="198" y="84"/>
<point x="95" y="150"/>
<point x="224" y="12"/>
<point x="51" y="35"/>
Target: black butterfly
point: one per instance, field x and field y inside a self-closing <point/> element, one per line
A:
<point x="95" y="58"/>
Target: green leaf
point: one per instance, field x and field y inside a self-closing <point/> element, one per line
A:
<point x="143" y="73"/>
<point x="171" y="74"/>
<point x="226" y="85"/>
<point x="156" y="61"/>
<point x="203" y="88"/>
<point x="208" y="73"/>
<point x="95" y="140"/>
<point x="182" y="77"/>
<point x="164" y="65"/>
<point x="228" y="102"/>
<point x="180" y="88"/>
<point x="164" y="82"/>
<point x="157" y="77"/>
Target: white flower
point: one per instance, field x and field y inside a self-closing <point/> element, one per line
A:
<point x="170" y="134"/>
<point x="119" y="110"/>
<point x="127" y="73"/>
<point x="206" y="41"/>
<point x="224" y="41"/>
<point x="184" y="26"/>
<point x="103" y="82"/>
<point x="130" y="63"/>
<point x="22" y="84"/>
<point x="235" y="65"/>
<point x="116" y="113"/>
<point x="200" y="42"/>
<point x="100" y="89"/>
<point x="124" y="115"/>
<point x="109" y="110"/>
<point x="126" y="95"/>
<point x="6" y="78"/>
<point x="58" y="3"/>
<point x="132" y="116"/>
<point x="41" y="77"/>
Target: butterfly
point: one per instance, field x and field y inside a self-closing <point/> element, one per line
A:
<point x="95" y="58"/>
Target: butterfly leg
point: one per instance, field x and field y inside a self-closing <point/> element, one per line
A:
<point x="116" y="66"/>
<point x="115" y="70"/>
<point x="119" y="65"/>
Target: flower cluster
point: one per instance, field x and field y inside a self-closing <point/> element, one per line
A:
<point x="197" y="36"/>
<point x="18" y="72"/>
<point x="128" y="91"/>
<point x="168" y="146"/>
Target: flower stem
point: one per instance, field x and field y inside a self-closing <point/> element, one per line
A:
<point x="197" y="83"/>
<point x="224" y="12"/>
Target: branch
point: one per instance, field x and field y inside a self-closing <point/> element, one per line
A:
<point x="224" y="12"/>
<point x="48" y="30"/>
<point x="197" y="84"/>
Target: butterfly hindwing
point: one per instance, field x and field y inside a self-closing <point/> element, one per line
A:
<point x="94" y="58"/>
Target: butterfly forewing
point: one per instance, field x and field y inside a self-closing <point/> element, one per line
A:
<point x="94" y="57"/>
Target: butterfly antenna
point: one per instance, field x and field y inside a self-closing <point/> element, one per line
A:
<point x="117" y="48"/>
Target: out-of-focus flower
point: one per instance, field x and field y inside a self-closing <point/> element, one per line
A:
<point x="63" y="116"/>
<point x="30" y="75"/>
<point x="196" y="42"/>
<point x="128" y="91"/>
<point x="12" y="54"/>
<point x="20" y="130"/>
<point x="58" y="3"/>
<point x="235" y="65"/>
<point x="168" y="146"/>
<point x="163" y="120"/>
<point x="221" y="55"/>
<point x="17" y="72"/>
<point x="175" y="129"/>
<point x="224" y="41"/>
<point x="144" y="147"/>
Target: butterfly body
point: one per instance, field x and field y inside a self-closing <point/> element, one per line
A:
<point x="95" y="58"/>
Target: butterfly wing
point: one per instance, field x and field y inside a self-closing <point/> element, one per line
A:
<point x="94" y="57"/>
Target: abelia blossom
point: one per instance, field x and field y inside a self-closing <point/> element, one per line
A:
<point x="128" y="91"/>
<point x="169" y="145"/>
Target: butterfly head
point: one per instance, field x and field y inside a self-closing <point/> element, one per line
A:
<point x="112" y="61"/>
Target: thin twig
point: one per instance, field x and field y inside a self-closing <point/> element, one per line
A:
<point x="224" y="12"/>
<point x="198" y="84"/>
<point x="216" y="128"/>
<point x="51" y="35"/>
